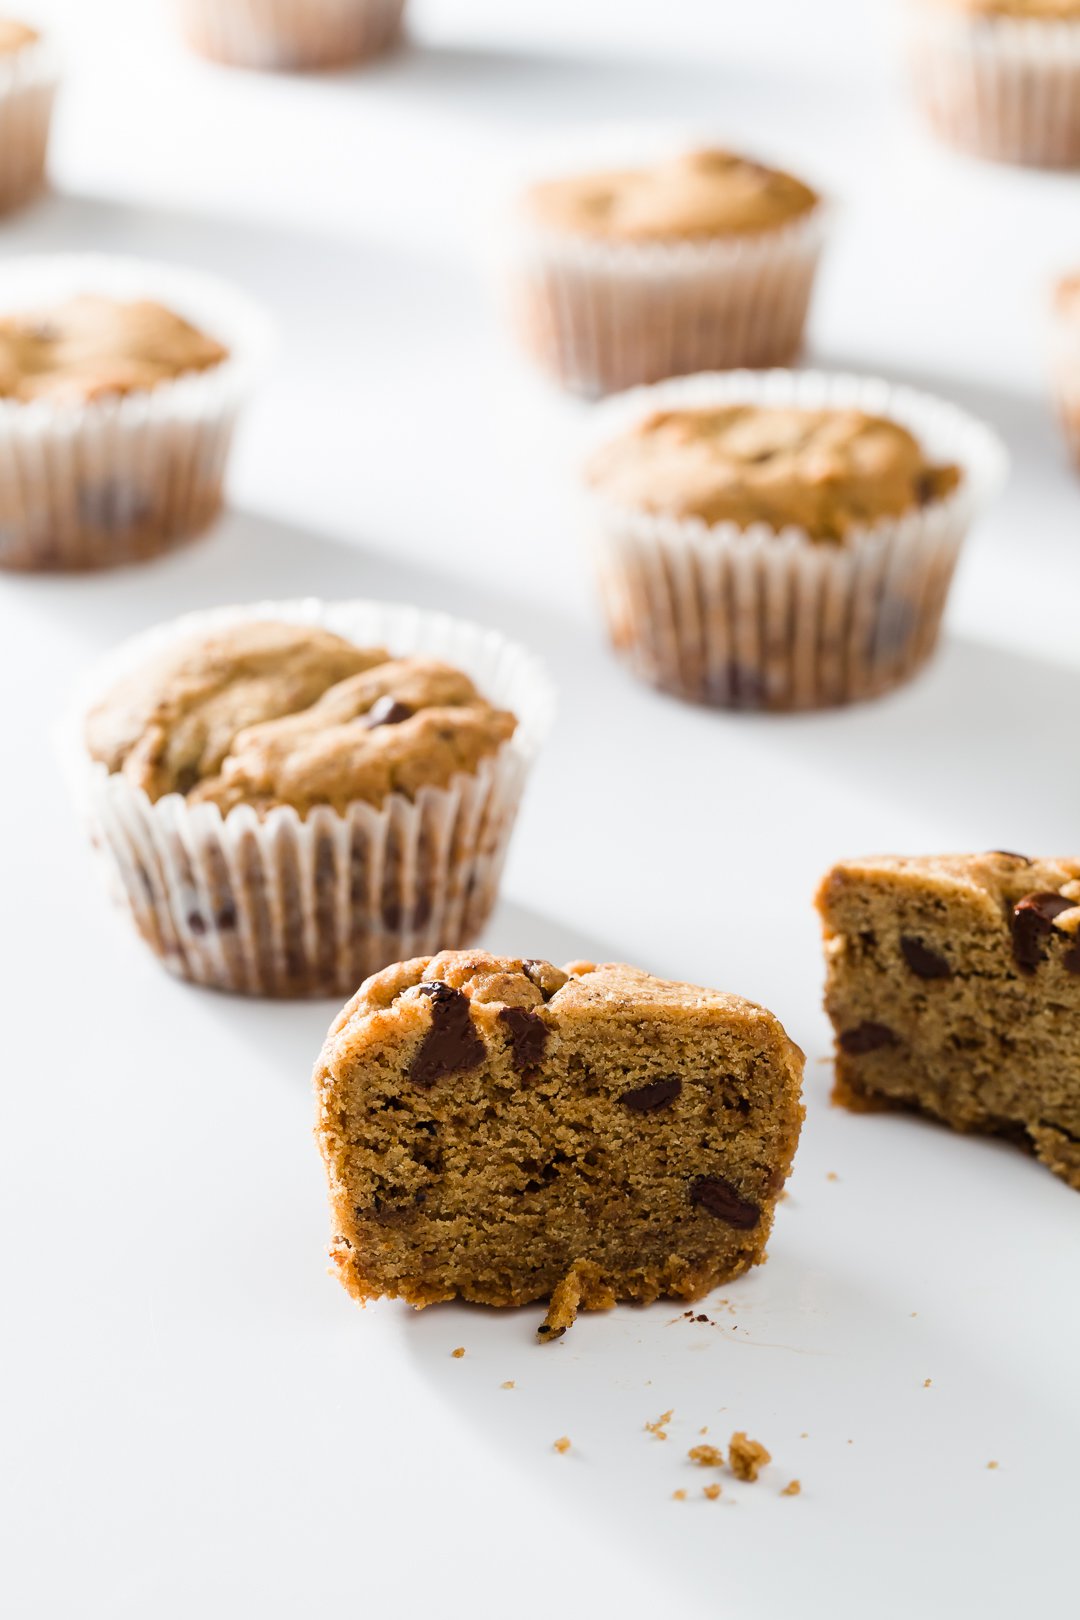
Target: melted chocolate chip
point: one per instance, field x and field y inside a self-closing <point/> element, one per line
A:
<point x="451" y="1045"/>
<point x="387" y="711"/>
<point x="1032" y="925"/>
<point x="647" y="1099"/>
<point x="866" y="1037"/>
<point x="720" y="1198"/>
<point x="528" y="1038"/>
<point x="923" y="962"/>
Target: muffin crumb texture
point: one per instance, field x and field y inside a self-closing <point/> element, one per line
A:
<point x="501" y="1132"/>
<point x="746" y="1457"/>
<point x="954" y="989"/>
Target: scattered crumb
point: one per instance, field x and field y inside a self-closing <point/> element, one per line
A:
<point x="701" y="1317"/>
<point x="914" y="1313"/>
<point x="792" y="1488"/>
<point x="746" y="1457"/>
<point x="562" y="1445"/>
<point x="805" y="1435"/>
<point x="458" y="1353"/>
<point x="992" y="1465"/>
<point x="678" y="1496"/>
<point x="832" y="1176"/>
<point x="704" y="1429"/>
<point x="562" y="1309"/>
<point x="508" y="1385"/>
<point x="706" y="1456"/>
<point x="926" y="1383"/>
<point x="659" y="1427"/>
<point x="712" y="1492"/>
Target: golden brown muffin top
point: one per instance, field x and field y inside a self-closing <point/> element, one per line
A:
<point x="1041" y="10"/>
<point x="826" y="472"/>
<point x="14" y="35"/>
<point x="700" y="194"/>
<point x="90" y="347"/>
<point x="272" y="714"/>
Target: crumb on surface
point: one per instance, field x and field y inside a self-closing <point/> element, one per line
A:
<point x="746" y="1457"/>
<point x="927" y="1382"/>
<point x="678" y="1496"/>
<point x="509" y="1384"/>
<point x="659" y="1427"/>
<point x="792" y="1488"/>
<point x="562" y="1445"/>
<point x="832" y="1176"/>
<point x="458" y="1353"/>
<point x="704" y="1429"/>
<point x="706" y="1456"/>
<point x="562" y="1308"/>
<point x="712" y="1492"/>
<point x="805" y="1435"/>
<point x="992" y="1465"/>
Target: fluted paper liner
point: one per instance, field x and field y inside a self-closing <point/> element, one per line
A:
<point x="1006" y="88"/>
<point x="287" y="906"/>
<point x="759" y="619"/>
<point x="117" y="480"/>
<point x="289" y="34"/>
<point x="28" y="82"/>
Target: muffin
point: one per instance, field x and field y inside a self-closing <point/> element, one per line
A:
<point x="290" y="35"/>
<point x="700" y="261"/>
<point x="1001" y="78"/>
<point x="120" y="384"/>
<point x="1066" y="360"/>
<point x="290" y="796"/>
<point x="505" y="1131"/>
<point x="28" y="79"/>
<point x="783" y="541"/>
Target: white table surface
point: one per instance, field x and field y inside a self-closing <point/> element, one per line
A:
<point x="196" y="1420"/>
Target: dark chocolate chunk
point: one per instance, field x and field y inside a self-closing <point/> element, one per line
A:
<point x="551" y="1333"/>
<point x="225" y="916"/>
<point x="196" y="922"/>
<point x="923" y="962"/>
<point x="647" y="1099"/>
<point x="451" y="1045"/>
<point x="720" y="1198"/>
<point x="387" y="711"/>
<point x="528" y="1038"/>
<point x="866" y="1037"/>
<point x="1032" y="925"/>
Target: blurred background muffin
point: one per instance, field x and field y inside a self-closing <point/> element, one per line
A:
<point x="289" y="35"/>
<point x="28" y="80"/>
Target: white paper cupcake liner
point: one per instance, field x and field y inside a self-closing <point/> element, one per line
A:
<point x="755" y="619"/>
<point x="286" y="906"/>
<point x="289" y="35"/>
<point x="28" y="82"/>
<point x="93" y="484"/>
<point x="1006" y="88"/>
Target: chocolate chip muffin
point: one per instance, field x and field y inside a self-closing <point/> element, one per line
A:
<point x="285" y="804"/>
<point x="1001" y="78"/>
<point x="954" y="987"/>
<point x="506" y="1131"/>
<point x="28" y="79"/>
<point x="701" y="260"/>
<point x="117" y="407"/>
<point x="290" y="35"/>
<point x="783" y="542"/>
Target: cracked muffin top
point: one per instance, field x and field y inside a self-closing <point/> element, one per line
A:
<point x="91" y="347"/>
<point x="269" y="714"/>
<point x="700" y="194"/>
<point x="1001" y="885"/>
<point x="1042" y="10"/>
<point x="826" y="472"/>
<point x="14" y="35"/>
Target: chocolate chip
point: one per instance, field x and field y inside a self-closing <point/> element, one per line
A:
<point x="546" y="1332"/>
<point x="1032" y="925"/>
<point x="528" y="1038"/>
<point x="387" y="711"/>
<point x="197" y="923"/>
<point x="225" y="916"/>
<point x="923" y="962"/>
<point x="451" y="1045"/>
<point x="647" y="1099"/>
<point x="1071" y="960"/>
<point x="721" y="1199"/>
<point x="866" y="1037"/>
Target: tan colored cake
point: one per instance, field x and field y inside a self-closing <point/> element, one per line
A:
<point x="290" y="35"/>
<point x="504" y="1131"/>
<point x="954" y="988"/>
<point x="704" y="260"/>
<point x="784" y="542"/>
<point x="284" y="806"/>
<point x="1001" y="78"/>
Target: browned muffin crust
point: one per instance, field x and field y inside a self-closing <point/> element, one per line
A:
<point x="92" y="347"/>
<point x="954" y="988"/>
<point x="698" y="195"/>
<point x="270" y="714"/>
<point x="506" y="1131"/>
<point x="826" y="472"/>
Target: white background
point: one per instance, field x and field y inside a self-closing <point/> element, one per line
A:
<point x="197" y="1420"/>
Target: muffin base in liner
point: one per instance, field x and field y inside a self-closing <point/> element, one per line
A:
<point x="1004" y="88"/>
<point x="118" y="480"/>
<point x="603" y="316"/>
<point x="755" y="619"/>
<point x="28" y="81"/>
<point x="286" y="906"/>
<point x="288" y="35"/>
